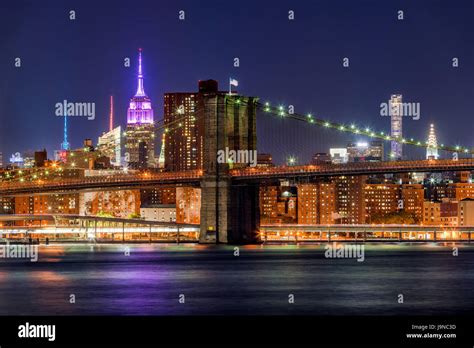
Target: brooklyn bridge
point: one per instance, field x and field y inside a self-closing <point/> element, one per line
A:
<point x="230" y="207"/>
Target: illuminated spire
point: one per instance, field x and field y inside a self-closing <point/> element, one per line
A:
<point x="140" y="110"/>
<point x="432" y="148"/>
<point x="140" y="89"/>
<point x="161" y="159"/>
<point x="65" y="143"/>
<point x="111" y="116"/>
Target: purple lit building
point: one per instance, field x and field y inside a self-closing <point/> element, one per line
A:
<point x="140" y="131"/>
<point x="140" y="111"/>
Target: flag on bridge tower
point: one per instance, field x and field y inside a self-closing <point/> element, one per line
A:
<point x="232" y="82"/>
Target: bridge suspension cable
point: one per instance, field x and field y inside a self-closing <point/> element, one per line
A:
<point x="312" y="120"/>
<point x="354" y="129"/>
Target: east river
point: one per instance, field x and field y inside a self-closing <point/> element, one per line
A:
<point x="191" y="279"/>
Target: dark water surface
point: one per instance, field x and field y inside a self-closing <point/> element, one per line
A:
<point x="214" y="281"/>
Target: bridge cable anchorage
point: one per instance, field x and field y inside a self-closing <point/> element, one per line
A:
<point x="353" y="129"/>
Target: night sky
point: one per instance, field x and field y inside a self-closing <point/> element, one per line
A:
<point x="289" y="62"/>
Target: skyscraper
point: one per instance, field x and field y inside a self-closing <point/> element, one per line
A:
<point x="432" y="148"/>
<point x="109" y="144"/>
<point x="140" y="124"/>
<point x="142" y="155"/>
<point x="184" y="138"/>
<point x="185" y="116"/>
<point x="396" y="114"/>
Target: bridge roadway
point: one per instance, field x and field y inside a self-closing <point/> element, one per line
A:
<point x="91" y="183"/>
<point x="360" y="168"/>
<point x="142" y="180"/>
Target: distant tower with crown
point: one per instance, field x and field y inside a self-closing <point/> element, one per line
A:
<point x="432" y="147"/>
<point x="140" y="132"/>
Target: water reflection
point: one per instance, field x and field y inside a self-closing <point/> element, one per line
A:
<point x="148" y="279"/>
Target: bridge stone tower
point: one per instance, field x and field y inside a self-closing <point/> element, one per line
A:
<point x="228" y="213"/>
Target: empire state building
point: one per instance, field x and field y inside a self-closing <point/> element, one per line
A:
<point x="140" y="133"/>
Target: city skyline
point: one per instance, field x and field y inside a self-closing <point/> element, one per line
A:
<point x="305" y="163"/>
<point x="165" y="75"/>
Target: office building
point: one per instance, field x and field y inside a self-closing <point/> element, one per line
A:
<point x="321" y="158"/>
<point x="109" y="145"/>
<point x="40" y="158"/>
<point x="338" y="155"/>
<point x="363" y="151"/>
